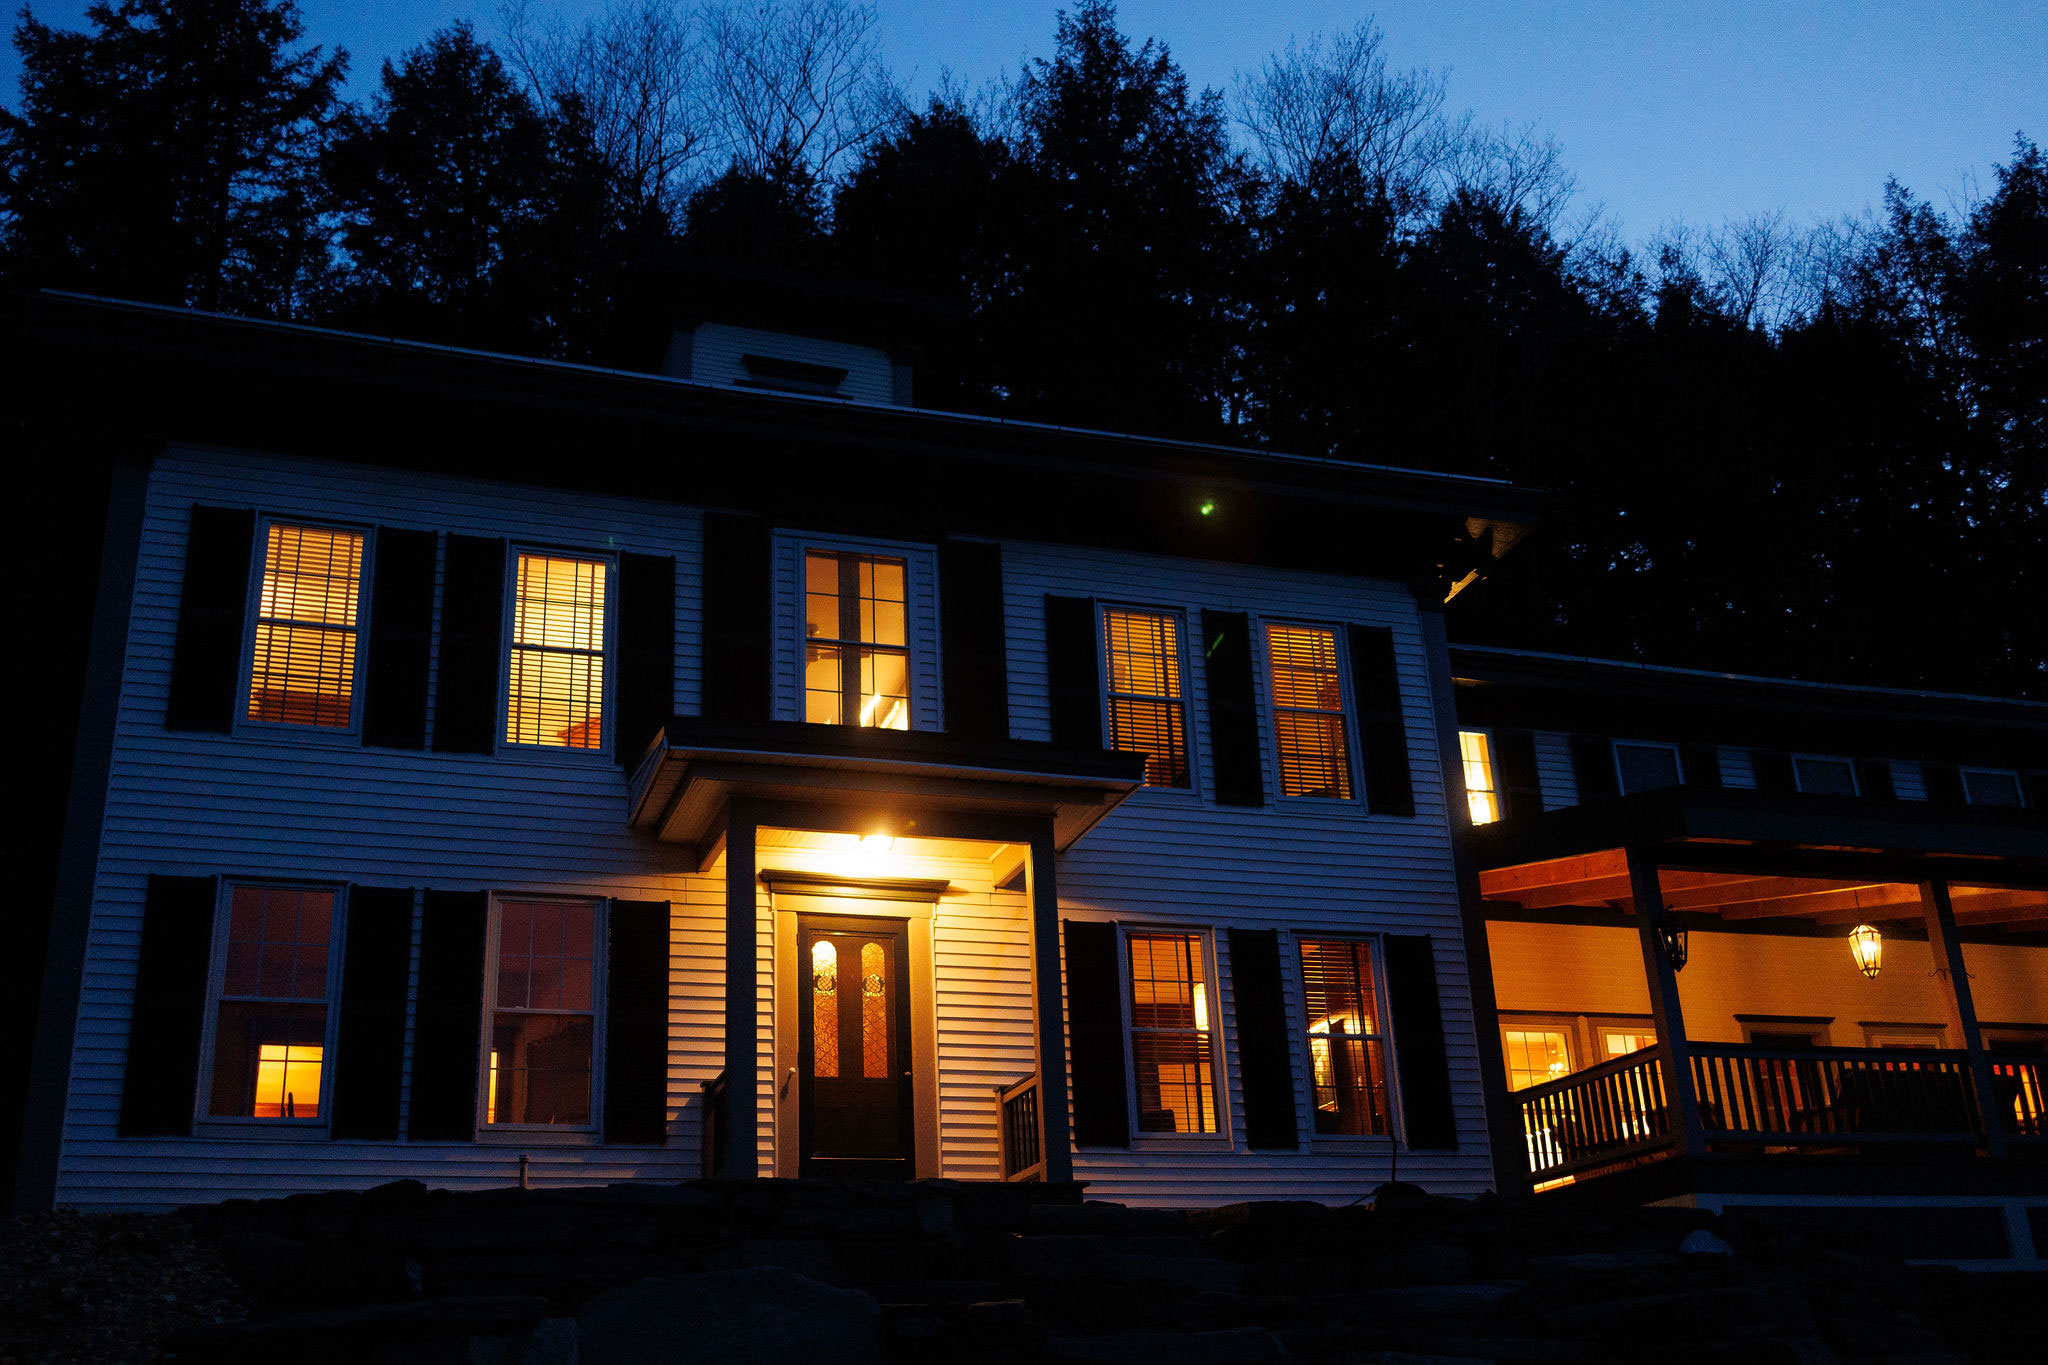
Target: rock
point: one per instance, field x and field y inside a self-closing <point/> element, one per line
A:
<point x="1170" y="1348"/>
<point x="1700" y="1242"/>
<point x="759" y="1316"/>
<point x="300" y="1274"/>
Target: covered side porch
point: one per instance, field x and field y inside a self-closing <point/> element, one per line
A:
<point x="890" y="988"/>
<point x="1704" y="992"/>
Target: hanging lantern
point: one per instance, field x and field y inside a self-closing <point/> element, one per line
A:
<point x="1675" y="947"/>
<point x="1866" y="945"/>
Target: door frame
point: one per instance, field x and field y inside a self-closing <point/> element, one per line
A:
<point x="854" y="901"/>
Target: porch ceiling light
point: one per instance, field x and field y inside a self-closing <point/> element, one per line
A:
<point x="1674" y="936"/>
<point x="1866" y="945"/>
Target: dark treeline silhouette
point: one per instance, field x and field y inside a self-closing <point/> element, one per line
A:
<point x="1822" y="453"/>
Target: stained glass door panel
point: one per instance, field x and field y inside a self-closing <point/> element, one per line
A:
<point x="853" y="1044"/>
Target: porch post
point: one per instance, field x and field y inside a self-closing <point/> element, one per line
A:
<point x="742" y="1020"/>
<point x="1041" y="885"/>
<point x="1648" y="895"/>
<point x="1962" y="1010"/>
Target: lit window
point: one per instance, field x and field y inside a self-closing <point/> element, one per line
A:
<point x="1480" y="793"/>
<point x="1308" y="712"/>
<point x="1146" y="710"/>
<point x="1991" y="787"/>
<point x="555" y="687"/>
<point x="1824" y="776"/>
<point x="1646" y="767"/>
<point x="270" y="1025"/>
<point x="1619" y="1042"/>
<point x="1172" y="1047"/>
<point x="543" y="1014"/>
<point x="856" y="641"/>
<point x="302" y="669"/>
<point x="1536" y="1055"/>
<point x="1347" y="1065"/>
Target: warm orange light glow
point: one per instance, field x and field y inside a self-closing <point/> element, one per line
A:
<point x="1308" y="712"/>
<point x="491" y="1100"/>
<point x="1866" y="945"/>
<point x="555" y="684"/>
<point x="1480" y="793"/>
<point x="287" y="1081"/>
<point x="302" y="668"/>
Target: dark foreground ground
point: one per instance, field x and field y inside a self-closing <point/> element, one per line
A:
<point x="819" y="1273"/>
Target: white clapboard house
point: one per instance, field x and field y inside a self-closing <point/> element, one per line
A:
<point x="493" y="770"/>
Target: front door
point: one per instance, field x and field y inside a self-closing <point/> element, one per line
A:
<point x="853" y="1048"/>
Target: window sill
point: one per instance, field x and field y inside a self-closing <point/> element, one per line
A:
<point x="261" y="1130"/>
<point x="330" y="735"/>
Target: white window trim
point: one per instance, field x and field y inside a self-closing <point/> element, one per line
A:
<point x="2019" y="786"/>
<point x="1855" y="779"/>
<point x="1614" y="747"/>
<point x="508" y="611"/>
<point x="921" y="619"/>
<point x="245" y="670"/>
<point x="599" y="991"/>
<point x="1397" y="1131"/>
<point x="1103" y="606"/>
<point x="204" y="1121"/>
<point x="1224" y="1136"/>
<point x="1353" y="744"/>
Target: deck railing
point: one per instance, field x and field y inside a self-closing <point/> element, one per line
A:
<point x="1601" y="1116"/>
<point x="2019" y="1089"/>
<point x="1023" y="1153"/>
<point x="1831" y="1097"/>
<point x="712" y="1141"/>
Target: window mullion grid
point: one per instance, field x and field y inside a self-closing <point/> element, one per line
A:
<point x="852" y="653"/>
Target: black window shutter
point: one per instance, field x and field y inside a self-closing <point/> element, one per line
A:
<point x="1095" y="1036"/>
<point x="976" y="652"/>
<point x="206" y="660"/>
<point x="1773" y="769"/>
<point x="636" y="1024"/>
<point x="1874" y="779"/>
<point x="2035" y="783"/>
<point x="1521" y="788"/>
<point x="739" y="652"/>
<point x="647" y="653"/>
<point x="1233" y="708"/>
<point x="1265" y="1055"/>
<point x="448" y="1020"/>
<point x="162" y="1076"/>
<point x="369" y="1061"/>
<point x="1377" y="687"/>
<point x="1073" y="672"/>
<point x="401" y="626"/>
<point x="1418" y="1024"/>
<point x="1593" y="767"/>
<point x="1702" y="765"/>
<point x="472" y="646"/>
<point x="1944" y="784"/>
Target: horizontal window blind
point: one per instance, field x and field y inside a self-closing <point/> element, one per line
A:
<point x="1308" y="712"/>
<point x="555" y="689"/>
<point x="1147" y="710"/>
<point x="303" y="667"/>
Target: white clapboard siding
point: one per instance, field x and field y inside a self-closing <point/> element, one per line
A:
<point x="716" y="352"/>
<point x="1178" y="859"/>
<point x="1554" y="771"/>
<point x="270" y="805"/>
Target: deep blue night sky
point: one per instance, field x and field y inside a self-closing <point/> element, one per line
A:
<point x="1702" y="111"/>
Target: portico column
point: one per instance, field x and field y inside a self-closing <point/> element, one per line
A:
<point x="1665" y="1009"/>
<point x="1041" y="886"/>
<point x="741" y="1159"/>
<point x="1962" y="1010"/>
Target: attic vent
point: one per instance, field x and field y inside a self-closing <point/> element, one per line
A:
<point x="791" y="376"/>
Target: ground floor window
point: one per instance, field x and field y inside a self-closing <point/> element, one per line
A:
<point x="1347" y="1058"/>
<point x="1173" y="1053"/>
<point x="543" y="986"/>
<point x="272" y="1017"/>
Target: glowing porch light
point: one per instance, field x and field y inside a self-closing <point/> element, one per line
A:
<point x="1866" y="945"/>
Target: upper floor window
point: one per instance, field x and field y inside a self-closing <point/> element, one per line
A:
<point x="556" y="672"/>
<point x="543" y="1013"/>
<point x="856" y="640"/>
<point x="1147" y="708"/>
<point x="1308" y="712"/>
<point x="1646" y="767"/>
<point x="1823" y="775"/>
<point x="271" y="1025"/>
<point x="1475" y="748"/>
<point x="1347" y="1062"/>
<point x="1173" y="1051"/>
<point x="1991" y="787"/>
<point x="302" y="667"/>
